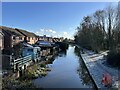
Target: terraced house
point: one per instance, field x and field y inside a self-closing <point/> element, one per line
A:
<point x="30" y="37"/>
<point x="13" y="36"/>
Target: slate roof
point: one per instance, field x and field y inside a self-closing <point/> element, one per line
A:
<point x="17" y="32"/>
<point x="26" y="33"/>
<point x="10" y="31"/>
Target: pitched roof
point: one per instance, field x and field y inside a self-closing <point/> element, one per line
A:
<point x="26" y="33"/>
<point x="10" y="31"/>
<point x="17" y="32"/>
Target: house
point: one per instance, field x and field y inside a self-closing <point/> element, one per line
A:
<point x="30" y="50"/>
<point x="45" y="38"/>
<point x="49" y="39"/>
<point x="56" y="39"/>
<point x="45" y="47"/>
<point x="42" y="43"/>
<point x="1" y="41"/>
<point x="11" y="38"/>
<point x="30" y="37"/>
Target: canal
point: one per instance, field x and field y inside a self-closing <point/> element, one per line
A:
<point x="67" y="71"/>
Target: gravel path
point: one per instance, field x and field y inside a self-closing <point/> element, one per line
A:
<point x="97" y="67"/>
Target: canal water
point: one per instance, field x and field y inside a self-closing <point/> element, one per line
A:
<point x="67" y="71"/>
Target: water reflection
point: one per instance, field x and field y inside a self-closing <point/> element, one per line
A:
<point x="67" y="71"/>
<point x="62" y="53"/>
<point x="83" y="74"/>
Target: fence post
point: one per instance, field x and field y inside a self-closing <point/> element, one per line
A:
<point x="13" y="64"/>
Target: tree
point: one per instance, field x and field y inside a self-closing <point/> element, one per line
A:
<point x="101" y="31"/>
<point x="111" y="18"/>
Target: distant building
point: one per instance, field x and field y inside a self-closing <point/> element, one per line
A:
<point x="56" y="40"/>
<point x="45" y="38"/>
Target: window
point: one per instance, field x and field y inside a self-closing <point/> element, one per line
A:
<point x="20" y="38"/>
<point x="13" y="38"/>
<point x="30" y="50"/>
<point x="28" y="39"/>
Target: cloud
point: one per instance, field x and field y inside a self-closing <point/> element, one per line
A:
<point x="41" y="30"/>
<point x="48" y="32"/>
<point x="51" y="31"/>
<point x="65" y="33"/>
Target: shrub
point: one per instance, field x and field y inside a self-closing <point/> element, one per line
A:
<point x="63" y="45"/>
<point x="42" y="65"/>
<point x="113" y="59"/>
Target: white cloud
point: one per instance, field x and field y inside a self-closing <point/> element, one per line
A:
<point x="65" y="33"/>
<point x="41" y="30"/>
<point x="48" y="32"/>
<point x="53" y="33"/>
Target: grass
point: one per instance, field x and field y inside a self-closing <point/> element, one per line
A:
<point x="32" y="72"/>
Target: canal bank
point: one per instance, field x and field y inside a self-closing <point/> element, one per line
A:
<point x="67" y="71"/>
<point x="88" y="72"/>
<point x="96" y="67"/>
<point x="33" y="71"/>
<point x="95" y="85"/>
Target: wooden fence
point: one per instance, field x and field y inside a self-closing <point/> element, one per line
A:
<point x="21" y="62"/>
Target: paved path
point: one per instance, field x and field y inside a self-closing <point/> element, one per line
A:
<point x="96" y="67"/>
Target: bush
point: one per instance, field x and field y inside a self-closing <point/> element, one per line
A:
<point x="113" y="59"/>
<point x="62" y="45"/>
<point x="42" y="65"/>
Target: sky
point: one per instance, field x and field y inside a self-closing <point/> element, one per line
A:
<point x="56" y="19"/>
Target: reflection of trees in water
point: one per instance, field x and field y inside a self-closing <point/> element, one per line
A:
<point x="77" y="51"/>
<point x="83" y="74"/>
<point x="50" y="61"/>
<point x="62" y="53"/>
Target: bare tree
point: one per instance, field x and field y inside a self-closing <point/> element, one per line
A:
<point x="111" y="19"/>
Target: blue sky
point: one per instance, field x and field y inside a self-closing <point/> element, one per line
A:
<point x="50" y="18"/>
